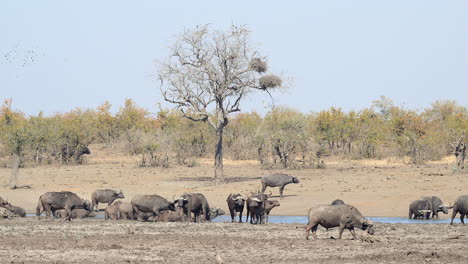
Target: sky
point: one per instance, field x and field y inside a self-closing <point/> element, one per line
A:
<point x="59" y="55"/>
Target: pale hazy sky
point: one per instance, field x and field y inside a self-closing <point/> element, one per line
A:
<point x="58" y="55"/>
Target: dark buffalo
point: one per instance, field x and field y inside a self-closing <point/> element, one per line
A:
<point x="236" y="203"/>
<point x="16" y="210"/>
<point x="76" y="214"/>
<point x="153" y="204"/>
<point x="437" y="206"/>
<point x="105" y="196"/>
<point x="112" y="211"/>
<point x="278" y="180"/>
<point x="420" y="208"/>
<point x="195" y="203"/>
<point x="255" y="207"/>
<point x="337" y="202"/>
<point x="460" y="206"/>
<point x="53" y="201"/>
<point x="269" y="205"/>
<point x="126" y="211"/>
<point x="343" y="216"/>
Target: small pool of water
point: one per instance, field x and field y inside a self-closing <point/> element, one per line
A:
<point x="304" y="220"/>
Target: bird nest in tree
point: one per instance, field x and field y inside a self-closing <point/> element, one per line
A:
<point x="269" y="81"/>
<point x="258" y="65"/>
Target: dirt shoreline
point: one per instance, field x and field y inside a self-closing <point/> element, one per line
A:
<point x="98" y="241"/>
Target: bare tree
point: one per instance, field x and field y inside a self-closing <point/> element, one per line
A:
<point x="459" y="149"/>
<point x="211" y="70"/>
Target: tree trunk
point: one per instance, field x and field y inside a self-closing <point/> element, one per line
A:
<point x="219" y="176"/>
<point x="14" y="170"/>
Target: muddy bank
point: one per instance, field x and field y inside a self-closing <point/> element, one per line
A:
<point x="98" y="241"/>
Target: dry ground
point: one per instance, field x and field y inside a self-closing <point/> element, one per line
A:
<point x="99" y="241"/>
<point x="375" y="187"/>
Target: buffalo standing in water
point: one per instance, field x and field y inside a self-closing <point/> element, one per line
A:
<point x="153" y="204"/>
<point x="460" y="206"/>
<point x="195" y="203"/>
<point x="437" y="206"/>
<point x="278" y="180"/>
<point x="420" y="208"/>
<point x="53" y="201"/>
<point x="105" y="196"/>
<point x="343" y="216"/>
<point x="236" y="204"/>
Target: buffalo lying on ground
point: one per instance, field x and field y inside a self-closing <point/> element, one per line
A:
<point x="269" y="205"/>
<point x="153" y="204"/>
<point x="437" y="206"/>
<point x="255" y="208"/>
<point x="215" y="212"/>
<point x="420" y="208"/>
<point x="278" y="180"/>
<point x="112" y="211"/>
<point x="236" y="204"/>
<point x="105" y="196"/>
<point x="53" y="201"/>
<point x="460" y="206"/>
<point x="337" y="202"/>
<point x="343" y="216"/>
<point x="16" y="210"/>
<point x="76" y="214"/>
<point x="195" y="203"/>
<point x="179" y="216"/>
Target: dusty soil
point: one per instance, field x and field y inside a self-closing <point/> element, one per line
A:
<point x="98" y="241"/>
<point x="375" y="187"/>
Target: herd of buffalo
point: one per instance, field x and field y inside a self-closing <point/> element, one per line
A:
<point x="153" y="207"/>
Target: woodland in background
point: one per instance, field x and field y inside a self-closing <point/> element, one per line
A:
<point x="284" y="137"/>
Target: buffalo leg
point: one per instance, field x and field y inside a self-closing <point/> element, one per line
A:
<point x="263" y="187"/>
<point x="48" y="210"/>
<point x="247" y="217"/>
<point x="281" y="188"/>
<point x="462" y="216"/>
<point x="353" y="232"/>
<point x="454" y="213"/>
<point x="410" y="215"/>
<point x="240" y="216"/>
<point x="313" y="227"/>
<point x="69" y="214"/>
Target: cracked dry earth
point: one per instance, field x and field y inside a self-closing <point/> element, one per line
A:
<point x="98" y="241"/>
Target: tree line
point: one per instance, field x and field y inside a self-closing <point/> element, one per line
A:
<point x="283" y="137"/>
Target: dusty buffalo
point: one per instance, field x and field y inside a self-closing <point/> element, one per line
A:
<point x="153" y="204"/>
<point x="269" y="205"/>
<point x="437" y="206"/>
<point x="105" y="196"/>
<point x="337" y="202"/>
<point x="16" y="210"/>
<point x="236" y="204"/>
<point x="76" y="213"/>
<point x="460" y="206"/>
<point x="278" y="180"/>
<point x="53" y="201"/>
<point x="255" y="208"/>
<point x="172" y="216"/>
<point x="420" y="208"/>
<point x="215" y="212"/>
<point x="112" y="211"/>
<point x="195" y="203"/>
<point x="126" y="211"/>
<point x="343" y="216"/>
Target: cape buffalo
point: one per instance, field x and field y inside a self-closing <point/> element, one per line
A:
<point x="343" y="216"/>
<point x="112" y="211"/>
<point x="105" y="196"/>
<point x="278" y="180"/>
<point x="436" y="206"/>
<point x="126" y="211"/>
<point x="236" y="203"/>
<point x="460" y="206"/>
<point x="76" y="213"/>
<point x="53" y="201"/>
<point x="337" y="202"/>
<point x="215" y="212"/>
<point x="269" y="205"/>
<point x="153" y="204"/>
<point x="195" y="203"/>
<point x="255" y="207"/>
<point x="419" y="208"/>
<point x="172" y="216"/>
<point x="16" y="210"/>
